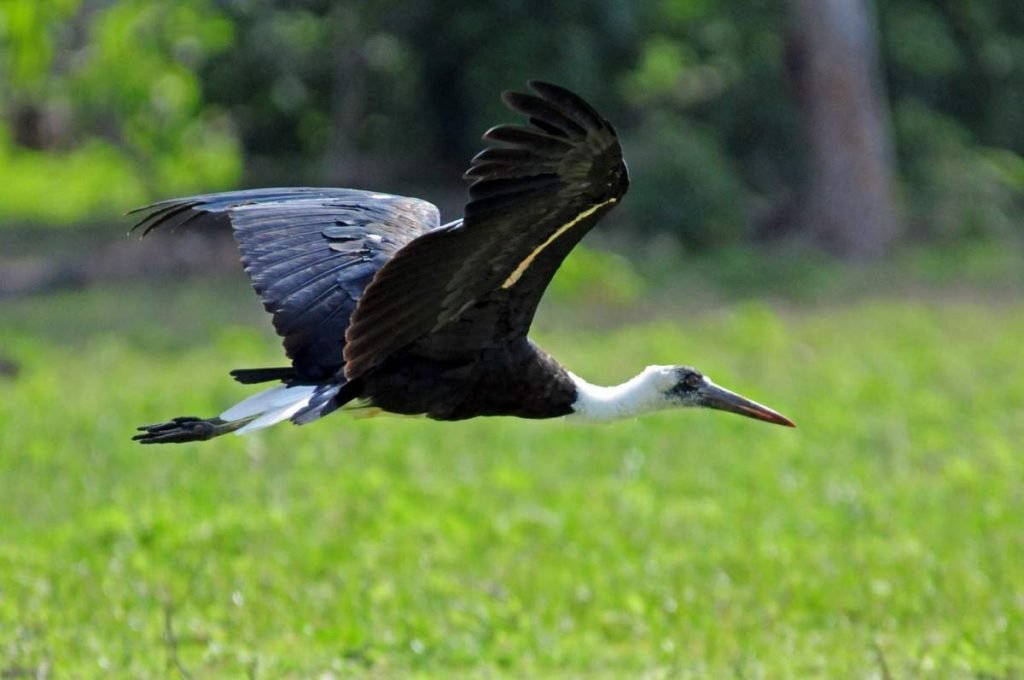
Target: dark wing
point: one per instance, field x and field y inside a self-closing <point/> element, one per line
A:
<point x="309" y="252"/>
<point x="533" y="197"/>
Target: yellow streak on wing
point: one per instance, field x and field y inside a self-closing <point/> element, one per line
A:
<point x="525" y="264"/>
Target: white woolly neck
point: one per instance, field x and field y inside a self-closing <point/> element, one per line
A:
<point x="639" y="395"/>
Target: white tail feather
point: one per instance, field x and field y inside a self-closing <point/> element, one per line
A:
<point x="272" y="417"/>
<point x="270" y="406"/>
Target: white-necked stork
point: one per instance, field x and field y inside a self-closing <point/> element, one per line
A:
<point x="382" y="307"/>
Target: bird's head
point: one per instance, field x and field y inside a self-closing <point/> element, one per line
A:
<point x="683" y="386"/>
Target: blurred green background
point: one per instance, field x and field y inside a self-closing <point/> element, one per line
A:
<point x="826" y="215"/>
<point x="107" y="104"/>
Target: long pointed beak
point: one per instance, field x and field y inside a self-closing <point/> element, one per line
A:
<point x="711" y="395"/>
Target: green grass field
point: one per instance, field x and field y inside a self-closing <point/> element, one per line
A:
<point x="883" y="538"/>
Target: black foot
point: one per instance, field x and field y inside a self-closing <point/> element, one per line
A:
<point x="183" y="429"/>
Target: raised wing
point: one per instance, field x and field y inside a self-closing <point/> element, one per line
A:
<point x="533" y="197"/>
<point x="310" y="254"/>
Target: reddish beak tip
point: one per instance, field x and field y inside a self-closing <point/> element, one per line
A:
<point x="722" y="399"/>
<point x="769" y="416"/>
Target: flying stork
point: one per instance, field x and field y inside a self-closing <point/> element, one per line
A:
<point x="381" y="307"/>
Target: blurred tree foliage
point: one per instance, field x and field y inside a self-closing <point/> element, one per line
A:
<point x="104" y="108"/>
<point x="956" y="78"/>
<point x="108" y="103"/>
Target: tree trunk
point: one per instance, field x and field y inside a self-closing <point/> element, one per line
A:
<point x="342" y="162"/>
<point x="849" y="207"/>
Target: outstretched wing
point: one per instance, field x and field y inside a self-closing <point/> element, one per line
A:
<point x="309" y="252"/>
<point x="533" y="197"/>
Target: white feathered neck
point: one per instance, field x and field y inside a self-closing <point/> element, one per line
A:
<point x="645" y="393"/>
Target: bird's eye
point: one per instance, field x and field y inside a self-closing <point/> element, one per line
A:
<point x="693" y="380"/>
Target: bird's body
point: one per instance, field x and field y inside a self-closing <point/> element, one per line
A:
<point x="380" y="306"/>
<point x="514" y="379"/>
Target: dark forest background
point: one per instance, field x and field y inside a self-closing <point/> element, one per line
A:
<point x="854" y="128"/>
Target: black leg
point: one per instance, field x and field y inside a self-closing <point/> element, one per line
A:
<point x="186" y="429"/>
